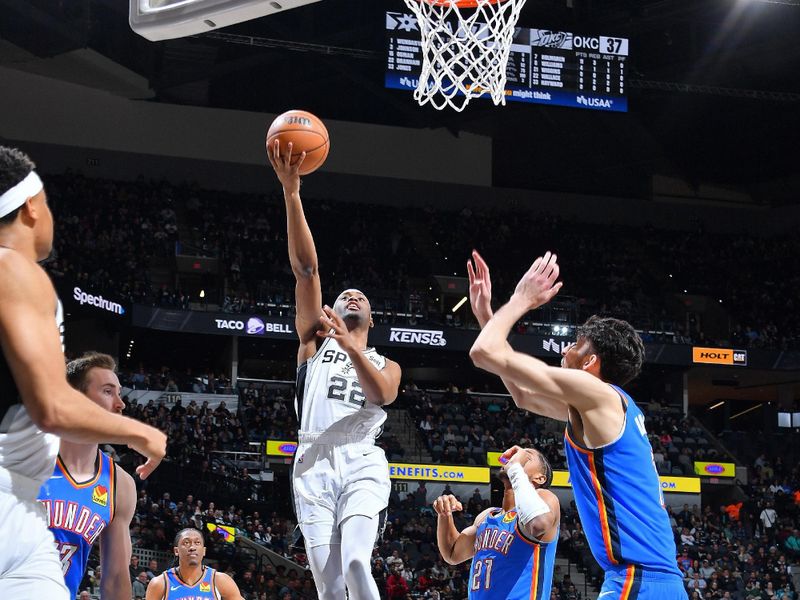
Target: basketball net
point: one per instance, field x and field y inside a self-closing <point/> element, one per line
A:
<point x="464" y="49"/>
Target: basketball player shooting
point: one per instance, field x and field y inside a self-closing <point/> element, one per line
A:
<point x="191" y="579"/>
<point x="88" y="498"/>
<point x="513" y="548"/>
<point x="614" y="479"/>
<point x="36" y="402"/>
<point x="340" y="478"/>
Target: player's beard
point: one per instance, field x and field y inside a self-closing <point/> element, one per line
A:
<point x="353" y="320"/>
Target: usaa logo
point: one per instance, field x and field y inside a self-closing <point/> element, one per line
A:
<point x="509" y="516"/>
<point x="100" y="495"/>
<point x="594" y="102"/>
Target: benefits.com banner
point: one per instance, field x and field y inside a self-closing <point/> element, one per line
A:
<point x="407" y="471"/>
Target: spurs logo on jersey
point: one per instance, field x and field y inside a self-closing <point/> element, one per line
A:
<point x="329" y="395"/>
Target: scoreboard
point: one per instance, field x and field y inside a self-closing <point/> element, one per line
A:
<point x="544" y="66"/>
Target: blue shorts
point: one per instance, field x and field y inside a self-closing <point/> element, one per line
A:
<point x="635" y="583"/>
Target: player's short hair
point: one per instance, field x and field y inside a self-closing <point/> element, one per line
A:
<point x="619" y="347"/>
<point x="185" y="530"/>
<point x="547" y="470"/>
<point x="15" y="166"/>
<point x="78" y="369"/>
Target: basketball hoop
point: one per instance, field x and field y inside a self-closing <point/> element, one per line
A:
<point x="465" y="48"/>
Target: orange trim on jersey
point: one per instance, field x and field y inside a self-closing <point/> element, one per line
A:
<point x="112" y="488"/>
<point x="85" y="484"/>
<point x="523" y="537"/>
<point x="629" y="577"/>
<point x="535" y="574"/>
<point x="598" y="492"/>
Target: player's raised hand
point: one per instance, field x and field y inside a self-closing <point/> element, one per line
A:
<point x="281" y="160"/>
<point x="480" y="288"/>
<point x="333" y="326"/>
<point x="153" y="447"/>
<point x="514" y="455"/>
<point x="445" y="506"/>
<point x="538" y="286"/>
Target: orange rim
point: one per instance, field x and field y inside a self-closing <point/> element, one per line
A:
<point x="459" y="3"/>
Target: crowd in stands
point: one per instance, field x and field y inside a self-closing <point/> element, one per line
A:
<point x="625" y="271"/>
<point x="108" y="234"/>
<point x="171" y="381"/>
<point x="741" y="550"/>
<point x="111" y="233"/>
<point x="459" y="427"/>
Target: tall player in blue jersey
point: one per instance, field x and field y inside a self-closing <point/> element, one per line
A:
<point x="513" y="548"/>
<point x="88" y="498"/>
<point x="191" y="579"/>
<point x="614" y="479"/>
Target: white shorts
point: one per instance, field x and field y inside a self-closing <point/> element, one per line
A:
<point x="29" y="563"/>
<point x="332" y="483"/>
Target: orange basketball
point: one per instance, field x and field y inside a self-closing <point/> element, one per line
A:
<point x="306" y="133"/>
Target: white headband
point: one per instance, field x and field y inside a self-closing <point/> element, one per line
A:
<point x="17" y="195"/>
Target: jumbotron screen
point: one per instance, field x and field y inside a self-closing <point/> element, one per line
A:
<point x="545" y="66"/>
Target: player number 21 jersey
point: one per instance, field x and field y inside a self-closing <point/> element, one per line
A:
<point x="507" y="564"/>
<point x="329" y="395"/>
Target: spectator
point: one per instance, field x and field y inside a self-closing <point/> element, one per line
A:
<point x="792" y="544"/>
<point x="768" y="518"/>
<point x="140" y="586"/>
<point x="134" y="568"/>
<point x="396" y="586"/>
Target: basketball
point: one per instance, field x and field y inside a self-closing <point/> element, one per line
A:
<point x="306" y="132"/>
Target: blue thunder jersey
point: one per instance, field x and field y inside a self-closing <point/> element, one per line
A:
<point x="176" y="588"/>
<point x="619" y="499"/>
<point x="77" y="513"/>
<point x="509" y="565"/>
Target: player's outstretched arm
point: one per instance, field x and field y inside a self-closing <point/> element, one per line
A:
<point x="480" y="298"/>
<point x="491" y="352"/>
<point x="31" y="345"/>
<point x="115" y="542"/>
<point x="156" y="589"/>
<point x="302" y="252"/>
<point x="227" y="587"/>
<point x="454" y="546"/>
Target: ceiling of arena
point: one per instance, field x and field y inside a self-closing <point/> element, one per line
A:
<point x="724" y="124"/>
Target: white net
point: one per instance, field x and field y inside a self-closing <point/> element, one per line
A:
<point x="464" y="49"/>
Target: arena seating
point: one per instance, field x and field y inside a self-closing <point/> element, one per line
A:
<point x="724" y="552"/>
<point x="643" y="274"/>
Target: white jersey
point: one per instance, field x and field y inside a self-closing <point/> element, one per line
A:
<point x="27" y="454"/>
<point x="329" y="396"/>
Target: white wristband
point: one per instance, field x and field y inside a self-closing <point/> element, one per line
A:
<point x="529" y="504"/>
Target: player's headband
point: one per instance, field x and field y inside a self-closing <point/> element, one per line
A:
<point x="17" y="195"/>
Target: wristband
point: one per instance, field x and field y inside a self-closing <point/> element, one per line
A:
<point x="528" y="502"/>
